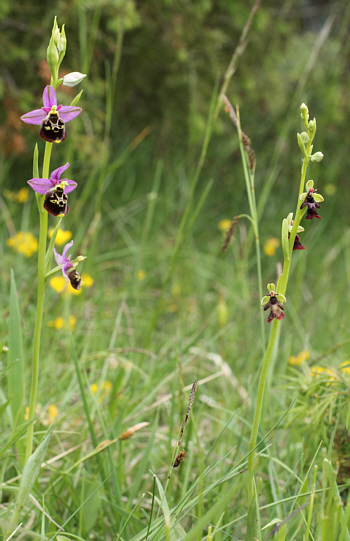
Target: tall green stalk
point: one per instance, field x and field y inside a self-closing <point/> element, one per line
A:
<point x="282" y="286"/>
<point x="43" y="216"/>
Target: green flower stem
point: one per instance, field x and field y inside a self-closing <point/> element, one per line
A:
<point x="43" y="216"/>
<point x="281" y="288"/>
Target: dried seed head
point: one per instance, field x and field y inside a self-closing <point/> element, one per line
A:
<point x="229" y="235"/>
<point x="190" y="402"/>
<point x="245" y="141"/>
<point x="180" y="458"/>
<point x="131" y="431"/>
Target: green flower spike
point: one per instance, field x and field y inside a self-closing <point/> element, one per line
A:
<point x="273" y="301"/>
<point x="312" y="200"/>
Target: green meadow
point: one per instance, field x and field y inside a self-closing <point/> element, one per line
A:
<point x="156" y="401"/>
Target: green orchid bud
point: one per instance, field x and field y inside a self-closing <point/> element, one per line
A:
<point x="302" y="145"/>
<point x="52" y="56"/>
<point x="317" y="157"/>
<point x="304" y="137"/>
<point x="62" y="45"/>
<point x="304" y="113"/>
<point x="55" y="32"/>
<point x="312" y="127"/>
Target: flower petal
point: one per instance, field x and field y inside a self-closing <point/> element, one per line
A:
<point x="64" y="270"/>
<point x="68" y="112"/>
<point x="318" y="197"/>
<point x="40" y="185"/>
<point x="265" y="299"/>
<point x="49" y="96"/>
<point x="71" y="186"/>
<point x="34" y="117"/>
<point x="55" y="175"/>
<point x="58" y="258"/>
<point x="66" y="248"/>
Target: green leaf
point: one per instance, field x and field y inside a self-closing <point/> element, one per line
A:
<point x="30" y="474"/>
<point x="253" y="520"/>
<point x="281" y="536"/>
<point x="77" y="98"/>
<point x="285" y="241"/>
<point x="92" y="506"/>
<point x="15" y="377"/>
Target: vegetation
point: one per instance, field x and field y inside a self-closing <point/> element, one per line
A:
<point x="162" y="174"/>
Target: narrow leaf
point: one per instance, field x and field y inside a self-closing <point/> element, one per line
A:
<point x="253" y="520"/>
<point x="15" y="378"/>
<point x="30" y="474"/>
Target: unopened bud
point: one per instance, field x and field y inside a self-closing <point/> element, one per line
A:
<point x="304" y="112"/>
<point x="312" y="126"/>
<point x="304" y="137"/>
<point x="73" y="79"/>
<point x="52" y="55"/>
<point x="317" y="157"/>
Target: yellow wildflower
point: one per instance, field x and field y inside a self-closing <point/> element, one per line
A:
<point x="50" y="415"/>
<point x="59" y="284"/>
<point x="141" y="275"/>
<point x="270" y="246"/>
<point x="86" y="280"/>
<point x="106" y="386"/>
<point x="19" y="197"/>
<point x="345" y="367"/>
<point x="62" y="236"/>
<point x="301" y="358"/>
<point x="22" y="242"/>
<point x="94" y="388"/>
<point x="60" y="323"/>
<point x="224" y="225"/>
<point x="37" y="411"/>
<point x="317" y="371"/>
<point x="104" y="390"/>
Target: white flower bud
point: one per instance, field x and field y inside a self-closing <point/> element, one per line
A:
<point x="73" y="79"/>
<point x="317" y="157"/>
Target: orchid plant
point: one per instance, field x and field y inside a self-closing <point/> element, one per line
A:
<point x="51" y="194"/>
<point x="308" y="203"/>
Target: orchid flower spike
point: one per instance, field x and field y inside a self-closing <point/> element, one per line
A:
<point x="52" y="117"/>
<point x="68" y="269"/>
<point x="273" y="301"/>
<point x="55" y="191"/>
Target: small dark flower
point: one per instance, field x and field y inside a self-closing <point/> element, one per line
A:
<point x="273" y="301"/>
<point x="51" y="117"/>
<point x="312" y="200"/>
<point x="55" y="191"/>
<point x="297" y="244"/>
<point x="68" y="267"/>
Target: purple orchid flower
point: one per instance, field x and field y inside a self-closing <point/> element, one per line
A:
<point x="55" y="191"/>
<point x="68" y="269"/>
<point x="52" y="117"/>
